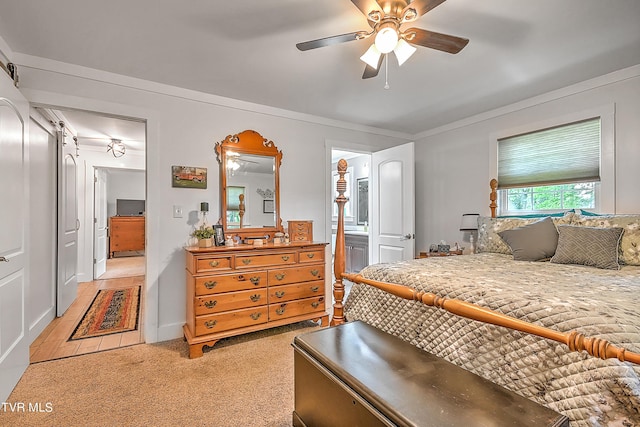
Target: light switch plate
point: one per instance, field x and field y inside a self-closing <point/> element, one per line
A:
<point x="177" y="211"/>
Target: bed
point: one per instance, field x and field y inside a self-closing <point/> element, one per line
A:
<point x="572" y="316"/>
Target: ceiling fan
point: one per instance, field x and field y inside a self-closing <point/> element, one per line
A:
<point x="386" y="17"/>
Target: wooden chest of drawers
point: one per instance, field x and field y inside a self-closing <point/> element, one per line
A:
<point x="300" y="231"/>
<point x="240" y="289"/>
<point x="126" y="233"/>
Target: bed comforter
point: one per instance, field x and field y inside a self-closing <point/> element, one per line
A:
<point x="598" y="303"/>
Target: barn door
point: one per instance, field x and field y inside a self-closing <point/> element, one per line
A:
<point x="68" y="222"/>
<point x="14" y="185"/>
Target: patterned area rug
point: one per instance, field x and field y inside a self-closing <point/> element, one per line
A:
<point x="112" y="311"/>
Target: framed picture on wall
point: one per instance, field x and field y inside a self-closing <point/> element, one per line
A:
<point x="268" y="206"/>
<point x="188" y="177"/>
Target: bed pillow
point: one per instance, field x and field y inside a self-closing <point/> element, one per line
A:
<point x="533" y="242"/>
<point x="488" y="228"/>
<point x="596" y="247"/>
<point x="630" y="242"/>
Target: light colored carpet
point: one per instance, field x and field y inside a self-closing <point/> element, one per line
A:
<point x="243" y="381"/>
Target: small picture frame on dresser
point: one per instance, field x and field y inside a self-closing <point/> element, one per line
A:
<point x="218" y="235"/>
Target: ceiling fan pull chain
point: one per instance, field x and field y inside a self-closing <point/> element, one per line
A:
<point x="386" y="71"/>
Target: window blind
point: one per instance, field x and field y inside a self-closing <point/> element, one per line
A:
<point x="559" y="155"/>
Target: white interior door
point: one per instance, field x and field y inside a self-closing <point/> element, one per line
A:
<point x="393" y="204"/>
<point x="68" y="223"/>
<point x="100" y="223"/>
<point x="14" y="340"/>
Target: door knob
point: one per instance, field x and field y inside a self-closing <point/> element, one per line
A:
<point x="408" y="236"/>
<point x="3" y="259"/>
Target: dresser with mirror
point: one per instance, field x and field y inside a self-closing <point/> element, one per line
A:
<point x="256" y="280"/>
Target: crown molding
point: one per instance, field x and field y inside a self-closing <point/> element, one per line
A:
<point x="50" y="65"/>
<point x="596" y="82"/>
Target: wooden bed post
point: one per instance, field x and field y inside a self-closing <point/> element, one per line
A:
<point x="493" y="196"/>
<point x="338" y="260"/>
<point x="241" y="208"/>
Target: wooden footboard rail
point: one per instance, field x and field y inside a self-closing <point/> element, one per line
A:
<point x="574" y="340"/>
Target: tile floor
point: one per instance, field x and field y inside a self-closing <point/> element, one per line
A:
<point x="52" y="342"/>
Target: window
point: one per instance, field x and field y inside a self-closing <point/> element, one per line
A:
<point x="551" y="169"/>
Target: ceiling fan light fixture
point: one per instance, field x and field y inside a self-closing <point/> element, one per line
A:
<point x="372" y="56"/>
<point x="387" y="38"/>
<point x="403" y="51"/>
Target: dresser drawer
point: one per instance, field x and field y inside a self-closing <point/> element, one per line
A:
<point x="210" y="264"/>
<point x="284" y="276"/>
<point x="217" y="303"/>
<point x="208" y="285"/>
<point x="264" y="260"/>
<point x="213" y="323"/>
<point x="284" y="293"/>
<point x="316" y="255"/>
<point x="295" y="308"/>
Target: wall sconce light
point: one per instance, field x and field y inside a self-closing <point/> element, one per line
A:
<point x="117" y="148"/>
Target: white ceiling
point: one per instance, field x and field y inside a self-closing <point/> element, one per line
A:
<point x="97" y="130"/>
<point x="246" y="50"/>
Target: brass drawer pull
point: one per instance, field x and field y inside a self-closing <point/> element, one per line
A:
<point x="280" y="276"/>
<point x="255" y="316"/>
<point x="315" y="304"/>
<point x="210" y="324"/>
<point x="211" y="304"/>
<point x="255" y="280"/>
<point x="314" y="272"/>
<point x="246" y="261"/>
<point x="254" y="297"/>
<point x="281" y="309"/>
<point x="315" y="288"/>
<point x="311" y="255"/>
<point x="285" y="257"/>
<point x="214" y="263"/>
<point x="210" y="285"/>
<point x="279" y="294"/>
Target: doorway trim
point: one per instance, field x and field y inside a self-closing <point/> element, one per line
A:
<point x="152" y="168"/>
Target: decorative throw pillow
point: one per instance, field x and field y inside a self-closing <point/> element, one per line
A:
<point x="533" y="242"/>
<point x="630" y="242"/>
<point x="596" y="247"/>
<point x="488" y="228"/>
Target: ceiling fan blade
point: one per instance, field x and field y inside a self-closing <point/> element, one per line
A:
<point x="367" y="6"/>
<point x="422" y="6"/>
<point x="433" y="40"/>
<point x="370" y="72"/>
<point x="328" y="41"/>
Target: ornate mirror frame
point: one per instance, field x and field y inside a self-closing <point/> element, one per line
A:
<point x="249" y="142"/>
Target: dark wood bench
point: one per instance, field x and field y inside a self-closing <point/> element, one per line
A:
<point x="356" y="375"/>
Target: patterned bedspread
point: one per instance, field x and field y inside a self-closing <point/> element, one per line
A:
<point x="598" y="303"/>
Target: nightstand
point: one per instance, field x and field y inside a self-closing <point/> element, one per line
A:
<point x="435" y="254"/>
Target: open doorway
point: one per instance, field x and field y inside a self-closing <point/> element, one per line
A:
<point x="112" y="148"/>
<point x="356" y="215"/>
<point x="119" y="235"/>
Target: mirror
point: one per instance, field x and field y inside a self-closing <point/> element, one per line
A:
<point x="249" y="185"/>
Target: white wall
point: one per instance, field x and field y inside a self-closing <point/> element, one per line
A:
<point x="182" y="128"/>
<point x="124" y="184"/>
<point x="453" y="163"/>
<point x="42" y="224"/>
